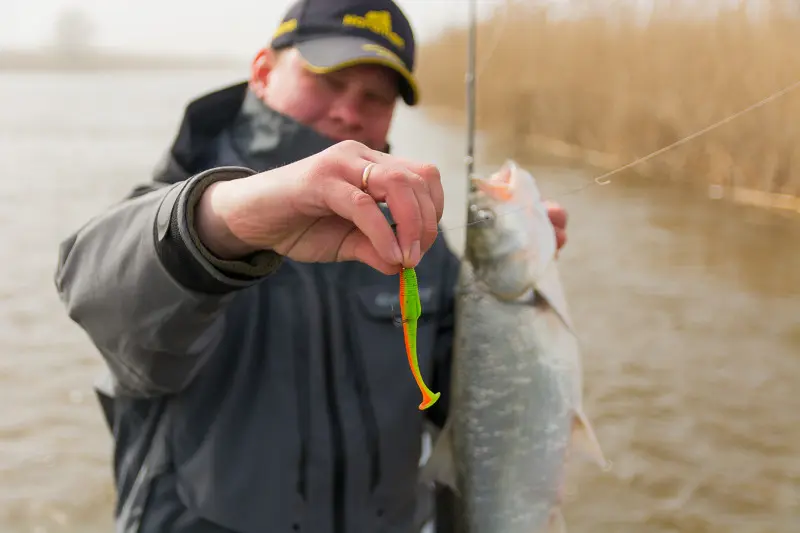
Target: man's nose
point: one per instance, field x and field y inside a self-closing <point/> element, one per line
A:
<point x="347" y="109"/>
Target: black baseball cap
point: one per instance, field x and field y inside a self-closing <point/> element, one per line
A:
<point x="334" y="34"/>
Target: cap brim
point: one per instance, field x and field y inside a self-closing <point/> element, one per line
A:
<point x="327" y="54"/>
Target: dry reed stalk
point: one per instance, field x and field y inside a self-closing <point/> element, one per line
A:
<point x="611" y="85"/>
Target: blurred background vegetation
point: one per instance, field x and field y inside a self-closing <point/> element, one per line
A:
<point x="613" y="85"/>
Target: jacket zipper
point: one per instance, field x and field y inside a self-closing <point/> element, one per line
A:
<point x="338" y="499"/>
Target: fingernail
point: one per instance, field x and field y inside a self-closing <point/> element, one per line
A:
<point x="398" y="255"/>
<point x="414" y="254"/>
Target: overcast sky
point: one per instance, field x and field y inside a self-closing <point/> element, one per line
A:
<point x="231" y="26"/>
<point x="235" y="27"/>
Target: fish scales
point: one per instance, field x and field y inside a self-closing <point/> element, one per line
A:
<point x="511" y="419"/>
<point x="516" y="404"/>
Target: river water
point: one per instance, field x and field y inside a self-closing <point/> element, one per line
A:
<point x="688" y="309"/>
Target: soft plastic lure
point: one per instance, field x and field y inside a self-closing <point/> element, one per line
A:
<point x="411" y="309"/>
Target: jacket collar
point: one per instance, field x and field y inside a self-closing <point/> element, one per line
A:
<point x="233" y="126"/>
<point x="265" y="138"/>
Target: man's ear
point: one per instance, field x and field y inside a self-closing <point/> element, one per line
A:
<point x="262" y="65"/>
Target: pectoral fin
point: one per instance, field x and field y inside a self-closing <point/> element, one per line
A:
<point x="585" y="442"/>
<point x="440" y="467"/>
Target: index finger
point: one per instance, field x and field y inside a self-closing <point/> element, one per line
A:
<point x="427" y="171"/>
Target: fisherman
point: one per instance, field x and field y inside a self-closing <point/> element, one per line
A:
<point x="242" y="303"/>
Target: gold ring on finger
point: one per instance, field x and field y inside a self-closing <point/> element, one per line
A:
<point x="365" y="176"/>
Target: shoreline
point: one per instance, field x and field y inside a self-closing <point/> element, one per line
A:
<point x="551" y="147"/>
<point x="40" y="61"/>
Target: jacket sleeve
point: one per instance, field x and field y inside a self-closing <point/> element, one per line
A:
<point x="443" y="349"/>
<point x="149" y="295"/>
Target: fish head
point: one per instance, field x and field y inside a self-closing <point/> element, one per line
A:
<point x="510" y="239"/>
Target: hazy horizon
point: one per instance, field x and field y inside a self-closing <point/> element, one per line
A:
<point x="243" y="26"/>
<point x="148" y="26"/>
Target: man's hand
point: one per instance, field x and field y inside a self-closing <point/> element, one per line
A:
<point x="314" y="210"/>
<point x="558" y="217"/>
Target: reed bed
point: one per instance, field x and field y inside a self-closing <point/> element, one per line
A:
<point x="613" y="88"/>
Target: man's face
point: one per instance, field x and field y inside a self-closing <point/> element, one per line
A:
<point x="354" y="103"/>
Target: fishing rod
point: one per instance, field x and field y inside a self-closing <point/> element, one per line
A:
<point x="470" y="93"/>
<point x="410" y="306"/>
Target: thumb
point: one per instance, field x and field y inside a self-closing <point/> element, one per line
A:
<point x="357" y="247"/>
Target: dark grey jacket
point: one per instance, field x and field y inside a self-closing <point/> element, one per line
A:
<point x="252" y="396"/>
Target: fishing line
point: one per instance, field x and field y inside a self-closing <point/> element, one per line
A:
<point x="604" y="178"/>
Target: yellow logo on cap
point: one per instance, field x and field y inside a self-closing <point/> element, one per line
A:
<point x="379" y="22"/>
<point x="285" y="27"/>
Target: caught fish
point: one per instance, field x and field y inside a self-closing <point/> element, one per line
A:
<point x="515" y="411"/>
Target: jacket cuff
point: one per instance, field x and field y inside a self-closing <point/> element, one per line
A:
<point x="186" y="258"/>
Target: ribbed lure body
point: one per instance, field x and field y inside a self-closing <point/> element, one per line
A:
<point x="411" y="309"/>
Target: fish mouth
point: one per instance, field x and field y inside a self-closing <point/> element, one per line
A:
<point x="490" y="192"/>
<point x="480" y="215"/>
<point x="499" y="185"/>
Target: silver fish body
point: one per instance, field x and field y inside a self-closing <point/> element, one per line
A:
<point x="515" y="398"/>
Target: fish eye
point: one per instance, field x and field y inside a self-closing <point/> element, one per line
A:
<point x="481" y="215"/>
<point x="484" y="215"/>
